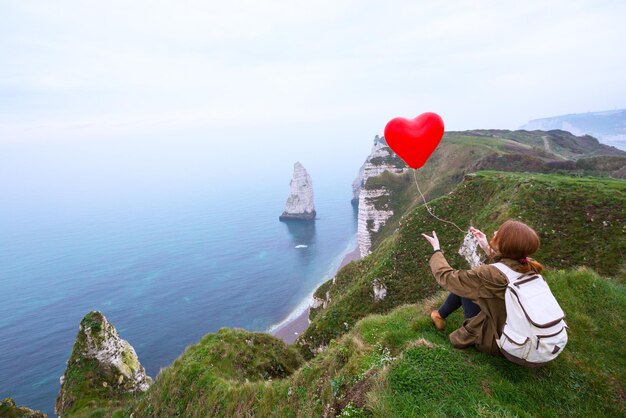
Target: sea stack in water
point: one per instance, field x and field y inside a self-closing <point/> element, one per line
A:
<point x="299" y="204"/>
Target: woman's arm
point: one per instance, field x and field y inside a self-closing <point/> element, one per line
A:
<point x="464" y="283"/>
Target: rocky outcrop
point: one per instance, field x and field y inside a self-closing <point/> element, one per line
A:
<point x="8" y="409"/>
<point x="379" y="290"/>
<point x="319" y="302"/>
<point x="300" y="205"/>
<point x="370" y="217"/>
<point x="102" y="366"/>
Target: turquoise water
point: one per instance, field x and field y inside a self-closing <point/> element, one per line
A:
<point x="166" y="264"/>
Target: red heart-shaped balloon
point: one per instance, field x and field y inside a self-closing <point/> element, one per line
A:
<point x="414" y="139"/>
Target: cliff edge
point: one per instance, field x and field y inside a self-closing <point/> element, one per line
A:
<point x="372" y="217"/>
<point x="102" y="371"/>
<point x="385" y="189"/>
<point x="392" y="363"/>
<point x="8" y="409"/>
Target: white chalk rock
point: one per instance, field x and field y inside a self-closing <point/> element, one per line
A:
<point x="370" y="217"/>
<point x="379" y="289"/>
<point x="300" y="205"/>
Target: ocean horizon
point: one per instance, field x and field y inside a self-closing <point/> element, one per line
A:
<point x="165" y="264"/>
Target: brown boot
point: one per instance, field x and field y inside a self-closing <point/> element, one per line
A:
<point x="439" y="322"/>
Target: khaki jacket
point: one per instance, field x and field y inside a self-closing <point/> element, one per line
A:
<point x="485" y="285"/>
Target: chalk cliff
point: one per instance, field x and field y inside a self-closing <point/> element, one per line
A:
<point x="102" y="366"/>
<point x="300" y="205"/>
<point x="371" y="218"/>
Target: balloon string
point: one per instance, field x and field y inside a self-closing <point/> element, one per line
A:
<point x="428" y="209"/>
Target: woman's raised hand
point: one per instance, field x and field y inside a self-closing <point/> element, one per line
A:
<point x="434" y="241"/>
<point x="482" y="239"/>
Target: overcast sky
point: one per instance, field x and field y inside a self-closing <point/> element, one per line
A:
<point x="292" y="70"/>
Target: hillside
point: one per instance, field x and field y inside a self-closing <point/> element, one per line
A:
<point x="460" y="153"/>
<point x="591" y="232"/>
<point x="561" y="143"/>
<point x="608" y="126"/>
<point x="396" y="363"/>
<point x="226" y="373"/>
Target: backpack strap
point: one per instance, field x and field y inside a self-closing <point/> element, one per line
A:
<point x="510" y="274"/>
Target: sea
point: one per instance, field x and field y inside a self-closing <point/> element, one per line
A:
<point x="169" y="242"/>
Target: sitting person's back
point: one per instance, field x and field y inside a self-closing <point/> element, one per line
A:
<point x="481" y="290"/>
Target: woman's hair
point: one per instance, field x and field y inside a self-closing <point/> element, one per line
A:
<point x="517" y="240"/>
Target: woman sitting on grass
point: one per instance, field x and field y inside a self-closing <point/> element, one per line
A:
<point x="481" y="290"/>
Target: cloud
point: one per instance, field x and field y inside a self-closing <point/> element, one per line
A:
<point x="77" y="69"/>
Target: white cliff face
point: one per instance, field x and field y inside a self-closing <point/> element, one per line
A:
<point x="369" y="169"/>
<point x="300" y="203"/>
<point x="110" y="350"/>
<point x="358" y="183"/>
<point x="370" y="218"/>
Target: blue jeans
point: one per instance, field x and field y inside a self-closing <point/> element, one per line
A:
<point x="454" y="302"/>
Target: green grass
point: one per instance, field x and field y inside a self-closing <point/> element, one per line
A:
<point x="8" y="409"/>
<point x="586" y="380"/>
<point x="229" y="363"/>
<point x="562" y="144"/>
<point x="460" y="153"/>
<point x="385" y="358"/>
<point x="398" y="365"/>
<point x="85" y="396"/>
<point x="455" y="155"/>
<point x="392" y="159"/>
<point x="591" y="231"/>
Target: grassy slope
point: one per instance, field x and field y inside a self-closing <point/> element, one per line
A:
<point x="562" y="143"/>
<point x="194" y="386"/>
<point x="230" y="364"/>
<point x="581" y="221"/>
<point x="587" y="380"/>
<point x="398" y="365"/>
<point x="455" y="156"/>
<point x="465" y="152"/>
